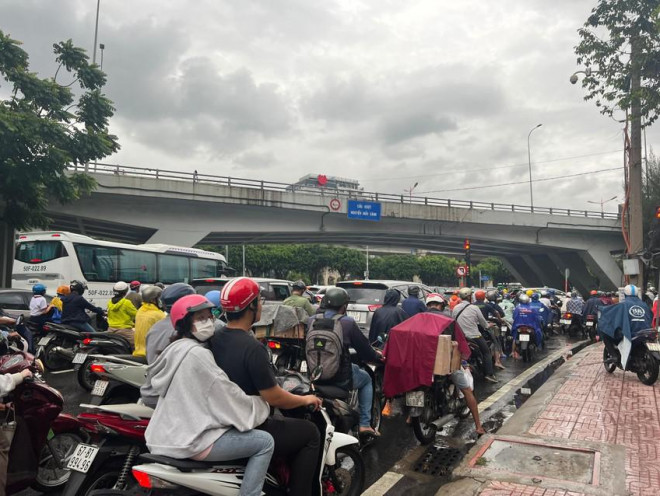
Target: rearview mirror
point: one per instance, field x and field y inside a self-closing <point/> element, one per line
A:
<point x="316" y="373"/>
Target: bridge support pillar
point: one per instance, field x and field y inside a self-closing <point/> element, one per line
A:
<point x="526" y="275"/>
<point x="604" y="267"/>
<point x="580" y="277"/>
<point x="546" y="270"/>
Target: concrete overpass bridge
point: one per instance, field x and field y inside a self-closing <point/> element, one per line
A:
<point x="148" y="205"/>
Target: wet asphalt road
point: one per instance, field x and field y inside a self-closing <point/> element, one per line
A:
<point x="397" y="441"/>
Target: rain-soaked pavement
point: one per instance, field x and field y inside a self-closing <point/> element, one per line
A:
<point x="397" y="449"/>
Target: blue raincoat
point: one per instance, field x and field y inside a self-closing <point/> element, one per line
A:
<point x="541" y="310"/>
<point x="525" y="315"/>
<point x="630" y="316"/>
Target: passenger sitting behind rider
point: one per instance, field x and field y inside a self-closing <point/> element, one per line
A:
<point x="435" y="304"/>
<point x="246" y="362"/>
<point x="200" y="413"/>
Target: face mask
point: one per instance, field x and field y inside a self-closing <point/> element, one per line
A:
<point x="203" y="330"/>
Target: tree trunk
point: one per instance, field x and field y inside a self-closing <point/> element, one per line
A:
<point x="6" y="254"/>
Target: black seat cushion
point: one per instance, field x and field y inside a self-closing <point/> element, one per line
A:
<point x="187" y="465"/>
<point x="332" y="392"/>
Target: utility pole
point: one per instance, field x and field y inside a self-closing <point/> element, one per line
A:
<point x="635" y="226"/>
<point x="466" y="247"/>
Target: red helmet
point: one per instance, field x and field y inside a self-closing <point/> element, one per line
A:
<point x="480" y="295"/>
<point x="593" y="292"/>
<point x="188" y="304"/>
<point x="238" y="293"/>
<point x="135" y="285"/>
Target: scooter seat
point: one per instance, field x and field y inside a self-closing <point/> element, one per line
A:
<point x="137" y="359"/>
<point x="331" y="392"/>
<point x="188" y="465"/>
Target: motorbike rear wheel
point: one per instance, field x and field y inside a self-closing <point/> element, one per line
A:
<point x="53" y="361"/>
<point x="649" y="374"/>
<point x="350" y="471"/>
<point x="50" y="477"/>
<point x="609" y="361"/>
<point x="422" y="425"/>
<point x="86" y="378"/>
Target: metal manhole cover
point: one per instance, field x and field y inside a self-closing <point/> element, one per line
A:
<point x="438" y="461"/>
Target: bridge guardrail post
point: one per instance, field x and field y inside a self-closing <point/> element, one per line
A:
<point x="401" y="198"/>
<point x="470" y="204"/>
<point x="229" y="182"/>
<point x="550" y="210"/>
<point x="448" y="203"/>
<point x="426" y="201"/>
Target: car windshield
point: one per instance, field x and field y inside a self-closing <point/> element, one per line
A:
<point x="365" y="294"/>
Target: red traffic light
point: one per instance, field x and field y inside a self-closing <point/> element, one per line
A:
<point x="657" y="212"/>
<point x="466" y="243"/>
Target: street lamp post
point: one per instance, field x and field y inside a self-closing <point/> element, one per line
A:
<point x="602" y="202"/>
<point x="410" y="190"/>
<point x="529" y="159"/>
<point x="96" y="30"/>
<point x="102" y="47"/>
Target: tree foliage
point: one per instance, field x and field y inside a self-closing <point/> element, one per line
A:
<point x="604" y="51"/>
<point x="46" y="126"/>
<point x="495" y="269"/>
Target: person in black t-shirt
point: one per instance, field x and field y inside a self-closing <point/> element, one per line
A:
<point x="246" y="362"/>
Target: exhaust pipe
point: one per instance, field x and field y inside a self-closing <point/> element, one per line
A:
<point x="65" y="352"/>
<point x="443" y="420"/>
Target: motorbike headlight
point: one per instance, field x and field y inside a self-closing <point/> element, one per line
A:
<point x="40" y="365"/>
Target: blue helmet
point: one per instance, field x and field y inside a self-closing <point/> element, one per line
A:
<point x="39" y="289"/>
<point x="172" y="293"/>
<point x="214" y="297"/>
<point x="536" y="296"/>
<point x="551" y="292"/>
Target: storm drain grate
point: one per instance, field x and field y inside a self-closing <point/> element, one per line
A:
<point x="438" y="461"/>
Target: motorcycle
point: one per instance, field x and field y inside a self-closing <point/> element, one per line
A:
<point x="45" y="438"/>
<point x="591" y="327"/>
<point x="56" y="347"/>
<point x="643" y="359"/>
<point x="526" y="343"/>
<point x="92" y="345"/>
<point x="118" y="378"/>
<point x="288" y="354"/>
<point x="477" y="359"/>
<point x="572" y="324"/>
<point x="433" y="407"/>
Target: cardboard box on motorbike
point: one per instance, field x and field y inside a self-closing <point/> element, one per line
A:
<point x="447" y="356"/>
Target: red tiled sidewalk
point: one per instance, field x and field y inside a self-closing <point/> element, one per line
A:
<point x="593" y="405"/>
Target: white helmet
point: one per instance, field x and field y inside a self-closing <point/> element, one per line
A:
<point x="523" y="298"/>
<point x="120" y="287"/>
<point x="435" y="298"/>
<point x="630" y="290"/>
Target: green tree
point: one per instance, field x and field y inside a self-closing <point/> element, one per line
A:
<point x="605" y="48"/>
<point x="438" y="270"/>
<point x="494" y="268"/>
<point x="400" y="267"/>
<point x="44" y="127"/>
<point x="348" y="261"/>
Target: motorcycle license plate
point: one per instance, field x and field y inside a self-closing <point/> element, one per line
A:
<point x="504" y="328"/>
<point x="653" y="346"/>
<point x="82" y="458"/>
<point x="79" y="358"/>
<point x="590" y="324"/>
<point x="99" y="387"/>
<point x="565" y="322"/>
<point x="45" y="340"/>
<point x="415" y="398"/>
<point x="524" y="337"/>
<point x="303" y="366"/>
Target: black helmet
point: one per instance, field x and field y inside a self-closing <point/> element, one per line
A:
<point x="413" y="290"/>
<point x="299" y="285"/>
<point x="172" y="293"/>
<point x="151" y="294"/>
<point x="78" y="286"/>
<point x="336" y="297"/>
<point x="492" y="295"/>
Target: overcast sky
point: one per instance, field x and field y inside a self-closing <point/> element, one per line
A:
<point x="383" y="91"/>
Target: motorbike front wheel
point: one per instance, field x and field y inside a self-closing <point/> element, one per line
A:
<point x="349" y="472"/>
<point x="52" y="473"/>
<point x="648" y="374"/>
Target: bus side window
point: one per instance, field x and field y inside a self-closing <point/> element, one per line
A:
<point x="98" y="263"/>
<point x="137" y="266"/>
<point x="172" y="268"/>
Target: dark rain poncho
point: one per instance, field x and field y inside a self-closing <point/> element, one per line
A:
<point x="387" y="316"/>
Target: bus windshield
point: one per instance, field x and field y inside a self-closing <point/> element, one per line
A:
<point x="33" y="252"/>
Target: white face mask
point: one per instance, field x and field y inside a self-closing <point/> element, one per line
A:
<point x="203" y="330"/>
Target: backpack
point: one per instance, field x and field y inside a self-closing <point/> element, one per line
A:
<point x="324" y="346"/>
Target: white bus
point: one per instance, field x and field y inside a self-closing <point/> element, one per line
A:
<point x="57" y="257"/>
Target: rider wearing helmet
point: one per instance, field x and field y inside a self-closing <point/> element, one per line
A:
<point x="134" y="294"/>
<point x="575" y="305"/>
<point x="158" y="337"/>
<point x="220" y="419"/>
<point x="437" y="304"/>
<point x="61" y="291"/>
<point x="246" y="362"/>
<point x="121" y="313"/>
<point x="74" y="306"/>
<point x="297" y="300"/>
<point x="525" y="315"/>
<point x="625" y="319"/>
<point x="592" y="306"/>
<point x="413" y="305"/>
<point x="214" y="297"/>
<point x="40" y="310"/>
<point x="470" y="318"/>
<point x="147" y="315"/>
<point x="386" y="317"/>
<point x="540" y="309"/>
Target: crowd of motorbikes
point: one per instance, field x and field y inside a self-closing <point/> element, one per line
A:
<point x="104" y="447"/>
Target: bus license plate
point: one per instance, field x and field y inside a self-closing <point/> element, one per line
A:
<point x="79" y="358"/>
<point x="653" y="346"/>
<point x="590" y="324"/>
<point x="82" y="458"/>
<point x="524" y="337"/>
<point x="415" y="398"/>
<point x="45" y="340"/>
<point x="99" y="387"/>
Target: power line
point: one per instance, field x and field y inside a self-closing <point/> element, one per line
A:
<point x="523" y="182"/>
<point x="494" y="168"/>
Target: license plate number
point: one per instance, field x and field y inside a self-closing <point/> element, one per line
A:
<point x="45" y="340"/>
<point x="82" y="458"/>
<point x="415" y="398"/>
<point x="524" y="337"/>
<point x="303" y="366"/>
<point x="653" y="346"/>
<point x="99" y="388"/>
<point x="504" y="328"/>
<point x="357" y="316"/>
<point x="590" y="324"/>
<point x="565" y="322"/>
<point x="79" y="358"/>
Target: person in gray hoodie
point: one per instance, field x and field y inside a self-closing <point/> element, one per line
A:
<point x="199" y="413"/>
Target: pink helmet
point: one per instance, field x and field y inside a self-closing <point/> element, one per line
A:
<point x="238" y="293"/>
<point x="188" y="304"/>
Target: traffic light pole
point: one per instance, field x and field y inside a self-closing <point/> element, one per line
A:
<point x="468" y="276"/>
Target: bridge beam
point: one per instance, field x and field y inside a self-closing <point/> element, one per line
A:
<point x="527" y="275"/>
<point x="605" y="268"/>
<point x="546" y="269"/>
<point x="579" y="277"/>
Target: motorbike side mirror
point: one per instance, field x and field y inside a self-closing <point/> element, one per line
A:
<point x="316" y="373"/>
<point x="19" y="319"/>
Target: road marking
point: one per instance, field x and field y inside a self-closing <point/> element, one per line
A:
<point x="384" y="484"/>
<point x="389" y="479"/>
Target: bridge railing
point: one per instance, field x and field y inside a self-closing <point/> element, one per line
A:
<point x="332" y="192"/>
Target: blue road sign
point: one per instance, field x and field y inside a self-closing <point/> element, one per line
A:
<point x="363" y="210"/>
<point x="485" y="278"/>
